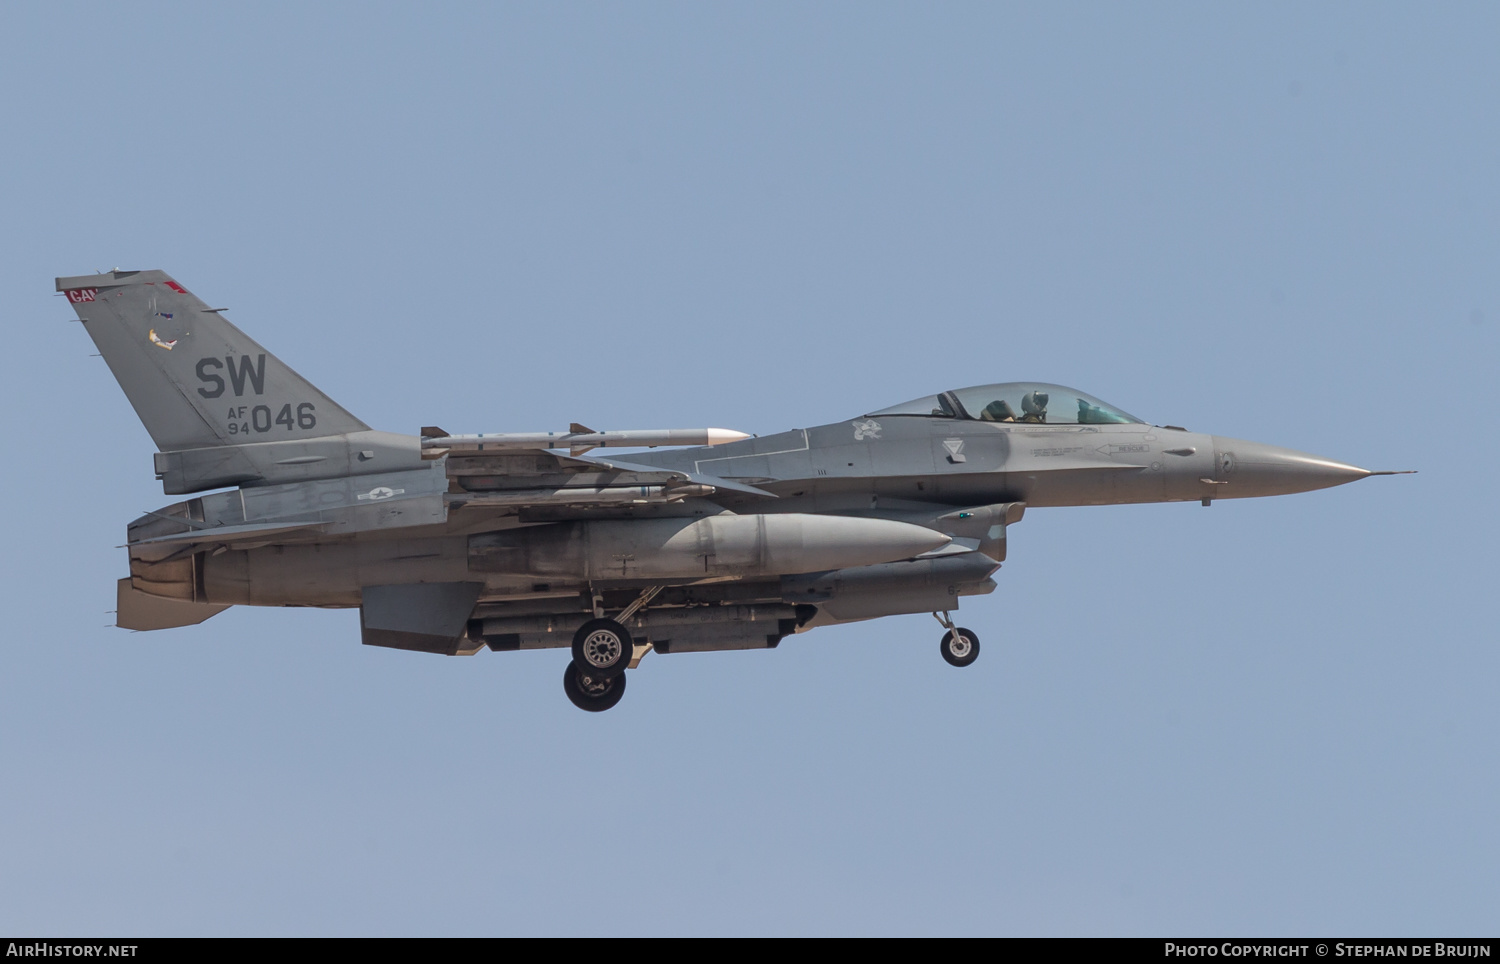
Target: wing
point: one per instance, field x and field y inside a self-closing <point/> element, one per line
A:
<point x="522" y="473"/>
<point x="539" y="480"/>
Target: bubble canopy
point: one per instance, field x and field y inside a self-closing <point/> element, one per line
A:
<point x="1027" y="402"/>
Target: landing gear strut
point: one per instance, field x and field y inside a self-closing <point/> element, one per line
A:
<point x="592" y="692"/>
<point x="959" y="646"/>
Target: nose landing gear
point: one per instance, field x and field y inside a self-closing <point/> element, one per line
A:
<point x="959" y="646"/>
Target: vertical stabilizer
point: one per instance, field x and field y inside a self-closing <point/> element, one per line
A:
<point x="194" y="379"/>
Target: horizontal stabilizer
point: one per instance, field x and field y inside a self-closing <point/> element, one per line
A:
<point x="143" y="611"/>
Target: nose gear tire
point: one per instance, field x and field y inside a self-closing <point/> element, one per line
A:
<point x="960" y="646"/>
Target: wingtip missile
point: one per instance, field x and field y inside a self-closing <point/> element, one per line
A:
<point x="579" y="441"/>
<point x="720" y="436"/>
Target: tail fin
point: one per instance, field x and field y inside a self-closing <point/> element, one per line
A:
<point x="194" y="379"/>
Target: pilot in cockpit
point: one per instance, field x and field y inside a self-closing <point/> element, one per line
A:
<point x="1033" y="409"/>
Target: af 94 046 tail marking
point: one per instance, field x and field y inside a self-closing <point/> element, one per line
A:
<point x="244" y="419"/>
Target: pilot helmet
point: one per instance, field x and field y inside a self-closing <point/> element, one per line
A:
<point x="1034" y="403"/>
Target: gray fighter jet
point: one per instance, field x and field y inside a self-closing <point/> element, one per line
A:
<point x="454" y="543"/>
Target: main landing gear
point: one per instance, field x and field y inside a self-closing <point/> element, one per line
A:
<point x="592" y="692"/>
<point x="602" y="648"/>
<point x="602" y="652"/>
<point x="595" y="679"/>
<point x="959" y="646"/>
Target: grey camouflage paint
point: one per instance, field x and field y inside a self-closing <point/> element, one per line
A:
<point x="729" y="547"/>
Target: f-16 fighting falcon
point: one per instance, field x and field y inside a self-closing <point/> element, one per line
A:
<point x="449" y="544"/>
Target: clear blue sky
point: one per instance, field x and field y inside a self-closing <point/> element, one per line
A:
<point x="1277" y="222"/>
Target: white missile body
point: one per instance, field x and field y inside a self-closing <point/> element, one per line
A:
<point x="578" y="441"/>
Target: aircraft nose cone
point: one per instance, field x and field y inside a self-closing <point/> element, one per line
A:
<point x="1253" y="469"/>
